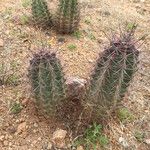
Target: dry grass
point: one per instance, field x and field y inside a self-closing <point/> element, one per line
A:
<point x="98" y="16"/>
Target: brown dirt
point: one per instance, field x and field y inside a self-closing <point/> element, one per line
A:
<point x="21" y="40"/>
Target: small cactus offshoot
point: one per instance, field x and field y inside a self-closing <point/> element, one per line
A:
<point x="41" y="13"/>
<point x="47" y="81"/>
<point x="114" y="70"/>
<point x="68" y="16"/>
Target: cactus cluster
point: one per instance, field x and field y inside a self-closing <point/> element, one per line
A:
<point x="47" y="80"/>
<point x="114" y="70"/>
<point x="41" y="13"/>
<point x="67" y="17"/>
<point x="109" y="81"/>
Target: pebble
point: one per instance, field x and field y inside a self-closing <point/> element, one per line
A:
<point x="25" y="102"/>
<point x="21" y="127"/>
<point x="6" y="136"/>
<point x="17" y="121"/>
<point x="90" y="61"/>
<point x="34" y="142"/>
<point x="5" y="143"/>
<point x="80" y="148"/>
<point x="49" y="146"/>
<point x="123" y="142"/>
<point x="35" y="125"/>
<point x="11" y="130"/>
<point x="44" y="146"/>
<point x="10" y="137"/>
<point x="107" y="13"/>
<point x="147" y="141"/>
<point x="39" y="139"/>
<point x="10" y="144"/>
<point x="34" y="131"/>
<point x="2" y="137"/>
<point x="1" y="43"/>
<point x="61" y="40"/>
<point x="59" y="138"/>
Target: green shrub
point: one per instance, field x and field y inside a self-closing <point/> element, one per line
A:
<point x="15" y="108"/>
<point x="93" y="137"/>
<point x="72" y="47"/>
<point x="124" y="115"/>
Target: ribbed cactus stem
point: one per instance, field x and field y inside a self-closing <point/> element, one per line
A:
<point x="114" y="70"/>
<point x="67" y="18"/>
<point x="47" y="80"/>
<point x="40" y="13"/>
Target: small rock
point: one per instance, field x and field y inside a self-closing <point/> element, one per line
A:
<point x="34" y="131"/>
<point x="90" y="61"/>
<point x="27" y="127"/>
<point x="35" y="125"/>
<point x="17" y="121"/>
<point x="80" y="148"/>
<point x="25" y="101"/>
<point x="21" y="127"/>
<point x="59" y="138"/>
<point x="39" y="139"/>
<point x="5" y="143"/>
<point x="10" y="137"/>
<point x="75" y="87"/>
<point x="49" y="146"/>
<point x="61" y="40"/>
<point x="45" y="146"/>
<point x="123" y="142"/>
<point x="10" y="144"/>
<point x="22" y="120"/>
<point x="147" y="141"/>
<point x="6" y="137"/>
<point x="107" y="13"/>
<point x="11" y="130"/>
<point x="34" y="142"/>
<point x="2" y="137"/>
<point x="48" y="34"/>
<point x="1" y="43"/>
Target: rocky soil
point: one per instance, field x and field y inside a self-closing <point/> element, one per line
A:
<point x="26" y="129"/>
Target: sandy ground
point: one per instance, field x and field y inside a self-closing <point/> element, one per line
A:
<point x="18" y="40"/>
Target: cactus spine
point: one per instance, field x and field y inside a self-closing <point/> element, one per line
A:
<point x="114" y="70"/>
<point x="67" y="17"/>
<point x="47" y="80"/>
<point x="41" y="13"/>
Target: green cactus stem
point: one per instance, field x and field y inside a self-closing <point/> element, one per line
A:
<point x="68" y="16"/>
<point x="47" y="80"/>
